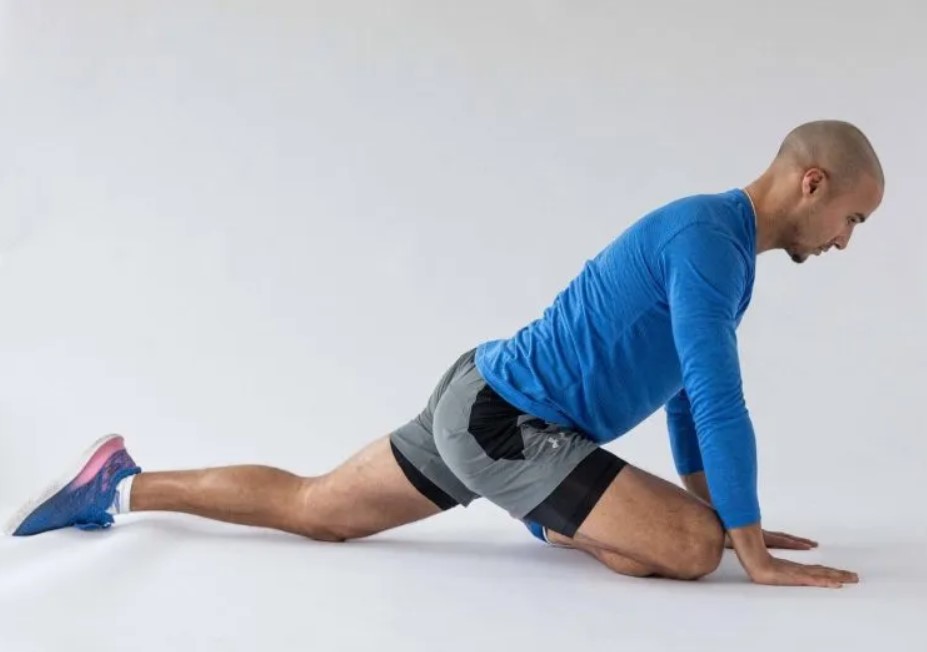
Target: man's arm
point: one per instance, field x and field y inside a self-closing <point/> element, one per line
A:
<point x="705" y="278"/>
<point x="705" y="273"/>
<point x="696" y="484"/>
<point x="684" y="446"/>
<point x="682" y="436"/>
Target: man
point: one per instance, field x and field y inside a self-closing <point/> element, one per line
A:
<point x="650" y="322"/>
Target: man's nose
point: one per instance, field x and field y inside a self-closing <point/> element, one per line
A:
<point x="843" y="240"/>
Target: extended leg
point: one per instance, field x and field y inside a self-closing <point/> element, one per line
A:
<point x="377" y="489"/>
<point x="366" y="494"/>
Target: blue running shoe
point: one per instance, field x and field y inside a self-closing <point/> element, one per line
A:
<point x="537" y="530"/>
<point x="540" y="532"/>
<point x="83" y="497"/>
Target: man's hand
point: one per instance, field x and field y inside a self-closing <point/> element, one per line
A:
<point x="779" y="540"/>
<point x="750" y="544"/>
<point x="782" y="572"/>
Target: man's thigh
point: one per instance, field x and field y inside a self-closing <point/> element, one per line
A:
<point x="654" y="523"/>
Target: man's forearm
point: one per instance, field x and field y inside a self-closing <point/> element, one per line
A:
<point x="696" y="484"/>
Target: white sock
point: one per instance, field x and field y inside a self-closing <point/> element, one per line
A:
<point x="121" y="499"/>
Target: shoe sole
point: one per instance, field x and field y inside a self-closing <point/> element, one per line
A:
<point x="23" y="513"/>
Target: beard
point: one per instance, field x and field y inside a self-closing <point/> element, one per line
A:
<point x="796" y="249"/>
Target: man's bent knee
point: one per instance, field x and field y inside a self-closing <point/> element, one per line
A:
<point x="702" y="550"/>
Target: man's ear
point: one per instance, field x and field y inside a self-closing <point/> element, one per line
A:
<point x="813" y="181"/>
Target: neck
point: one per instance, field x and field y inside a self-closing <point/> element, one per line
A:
<point x="769" y="225"/>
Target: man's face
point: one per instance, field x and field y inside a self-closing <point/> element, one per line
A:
<point x="825" y="218"/>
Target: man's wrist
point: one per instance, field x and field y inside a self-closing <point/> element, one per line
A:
<point x="750" y="546"/>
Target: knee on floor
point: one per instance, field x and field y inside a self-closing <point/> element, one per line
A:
<point x="623" y="565"/>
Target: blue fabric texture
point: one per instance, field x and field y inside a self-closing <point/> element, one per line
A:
<point x="651" y="322"/>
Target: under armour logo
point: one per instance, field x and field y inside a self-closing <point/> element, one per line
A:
<point x="553" y="442"/>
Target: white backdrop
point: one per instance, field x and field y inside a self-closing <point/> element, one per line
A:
<point x="260" y="231"/>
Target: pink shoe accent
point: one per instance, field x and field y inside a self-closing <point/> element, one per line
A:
<point x="99" y="458"/>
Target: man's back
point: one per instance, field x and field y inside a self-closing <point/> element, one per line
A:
<point x="603" y="356"/>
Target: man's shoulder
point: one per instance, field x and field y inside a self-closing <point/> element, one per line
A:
<point x="700" y="208"/>
<point x="710" y="216"/>
<point x="698" y="221"/>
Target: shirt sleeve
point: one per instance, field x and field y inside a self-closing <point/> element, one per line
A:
<point x="706" y="272"/>
<point x="682" y="436"/>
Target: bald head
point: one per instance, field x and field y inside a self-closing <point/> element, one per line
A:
<point x="825" y="180"/>
<point x="837" y="147"/>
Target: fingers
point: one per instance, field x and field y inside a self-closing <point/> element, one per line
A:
<point x="817" y="575"/>
<point x="808" y="542"/>
<point x="789" y="573"/>
<point x="775" y="540"/>
<point x="782" y="540"/>
<point x="788" y="541"/>
<point x="845" y="576"/>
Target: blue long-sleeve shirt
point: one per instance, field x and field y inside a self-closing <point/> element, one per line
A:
<point x="651" y="322"/>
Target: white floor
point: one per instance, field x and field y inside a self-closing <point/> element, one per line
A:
<point x="464" y="581"/>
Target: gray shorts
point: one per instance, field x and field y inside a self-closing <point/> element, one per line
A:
<point x="469" y="442"/>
